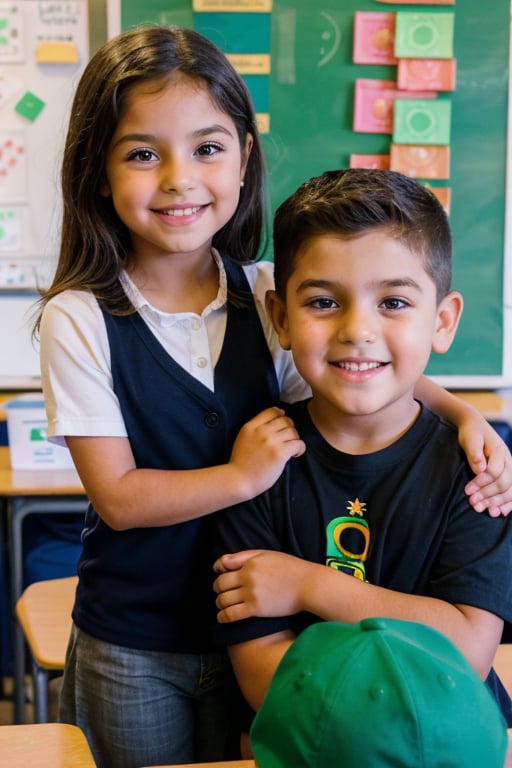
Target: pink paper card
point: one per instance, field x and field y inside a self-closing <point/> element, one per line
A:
<point x="426" y="74"/>
<point x="373" y="104"/>
<point x="379" y="162"/>
<point x="374" y="38"/>
<point x="422" y="162"/>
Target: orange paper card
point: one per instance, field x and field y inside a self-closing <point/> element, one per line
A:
<point x="423" y="162"/>
<point x="426" y="74"/>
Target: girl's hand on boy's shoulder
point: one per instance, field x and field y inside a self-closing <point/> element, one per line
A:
<point x="490" y="459"/>
<point x="261" y="450"/>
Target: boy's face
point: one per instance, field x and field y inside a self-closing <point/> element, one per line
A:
<point x="361" y="319"/>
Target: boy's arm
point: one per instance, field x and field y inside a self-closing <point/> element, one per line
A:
<point x="255" y="661"/>
<point x="486" y="452"/>
<point x="247" y="587"/>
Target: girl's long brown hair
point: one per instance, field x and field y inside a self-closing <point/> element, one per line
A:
<point x="95" y="244"/>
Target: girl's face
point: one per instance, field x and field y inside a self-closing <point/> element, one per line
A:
<point x="173" y="168"/>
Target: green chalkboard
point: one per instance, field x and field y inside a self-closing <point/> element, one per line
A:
<point x="311" y="94"/>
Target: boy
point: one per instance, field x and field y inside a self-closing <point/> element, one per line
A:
<point x="372" y="520"/>
<point x="378" y="693"/>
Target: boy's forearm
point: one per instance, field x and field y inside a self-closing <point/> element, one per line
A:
<point x="335" y="596"/>
<point x="254" y="663"/>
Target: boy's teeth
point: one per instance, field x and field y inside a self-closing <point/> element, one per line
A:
<point x="359" y="366"/>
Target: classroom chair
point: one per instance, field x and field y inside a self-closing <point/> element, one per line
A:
<point x="48" y="745"/>
<point x="43" y="612"/>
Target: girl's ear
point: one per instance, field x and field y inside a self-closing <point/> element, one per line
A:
<point x="276" y="310"/>
<point x="105" y="190"/>
<point x="246" y="151"/>
<point x="448" y="316"/>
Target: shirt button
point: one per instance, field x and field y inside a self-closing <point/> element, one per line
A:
<point x="212" y="419"/>
<point x="202" y="362"/>
<point x="196" y="324"/>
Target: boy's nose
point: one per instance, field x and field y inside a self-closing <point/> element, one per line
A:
<point x="357" y="327"/>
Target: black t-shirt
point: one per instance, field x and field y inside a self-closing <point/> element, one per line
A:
<point x="398" y="518"/>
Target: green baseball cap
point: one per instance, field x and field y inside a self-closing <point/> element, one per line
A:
<point x="382" y="692"/>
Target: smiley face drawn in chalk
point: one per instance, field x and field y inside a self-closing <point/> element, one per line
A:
<point x="330" y="39"/>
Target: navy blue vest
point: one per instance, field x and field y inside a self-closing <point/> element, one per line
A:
<point x="150" y="588"/>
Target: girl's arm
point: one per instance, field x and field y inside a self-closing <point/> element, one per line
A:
<point x="487" y="454"/>
<point x="127" y="497"/>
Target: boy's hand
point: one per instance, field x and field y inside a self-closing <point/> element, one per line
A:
<point x="491" y="461"/>
<point x="257" y="582"/>
<point x="262" y="448"/>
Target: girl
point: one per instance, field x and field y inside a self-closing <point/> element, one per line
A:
<point x="155" y="351"/>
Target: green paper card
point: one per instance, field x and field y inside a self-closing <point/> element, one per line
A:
<point x="421" y="121"/>
<point x="29" y="106"/>
<point x="424" y="35"/>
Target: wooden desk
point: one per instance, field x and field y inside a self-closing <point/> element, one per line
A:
<point x="48" y="745"/>
<point x="223" y="764"/>
<point x="27" y="492"/>
<point x="491" y="405"/>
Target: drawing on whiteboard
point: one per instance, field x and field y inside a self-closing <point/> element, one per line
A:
<point x="11" y="34"/>
<point x="10" y="229"/>
<point x="13" y="177"/>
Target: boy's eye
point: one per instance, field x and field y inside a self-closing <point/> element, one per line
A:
<point x="209" y="149"/>
<point x="394" y="303"/>
<point x="322" y="302"/>
<point x="142" y="155"/>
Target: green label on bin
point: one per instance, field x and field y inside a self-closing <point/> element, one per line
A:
<point x="37" y="434"/>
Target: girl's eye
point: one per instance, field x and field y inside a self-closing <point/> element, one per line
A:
<point x="209" y="149"/>
<point x="393" y="303"/>
<point x="142" y="155"/>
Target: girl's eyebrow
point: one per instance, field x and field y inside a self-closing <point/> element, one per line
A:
<point x="149" y="138"/>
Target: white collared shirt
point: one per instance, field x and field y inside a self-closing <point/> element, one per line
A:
<point x="75" y="355"/>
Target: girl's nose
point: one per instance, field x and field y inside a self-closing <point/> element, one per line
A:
<point x="177" y="176"/>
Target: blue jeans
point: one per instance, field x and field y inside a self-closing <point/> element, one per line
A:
<point x="149" y="708"/>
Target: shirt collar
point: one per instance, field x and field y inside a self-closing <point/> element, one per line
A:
<point x="143" y="306"/>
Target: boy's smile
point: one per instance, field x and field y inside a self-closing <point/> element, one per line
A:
<point x="361" y="318"/>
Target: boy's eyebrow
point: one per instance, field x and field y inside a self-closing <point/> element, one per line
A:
<point x="152" y="137"/>
<point x="395" y="282"/>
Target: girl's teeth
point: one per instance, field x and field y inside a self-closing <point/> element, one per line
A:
<point x="182" y="211"/>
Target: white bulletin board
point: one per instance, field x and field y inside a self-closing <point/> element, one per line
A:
<point x="44" y="46"/>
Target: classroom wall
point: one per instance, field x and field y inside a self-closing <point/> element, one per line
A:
<point x="311" y="114"/>
<point x="309" y="96"/>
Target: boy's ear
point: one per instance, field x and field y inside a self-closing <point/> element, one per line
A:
<point x="448" y="316"/>
<point x="276" y="310"/>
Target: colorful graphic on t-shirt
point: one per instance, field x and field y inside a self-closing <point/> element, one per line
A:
<point x="348" y="540"/>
